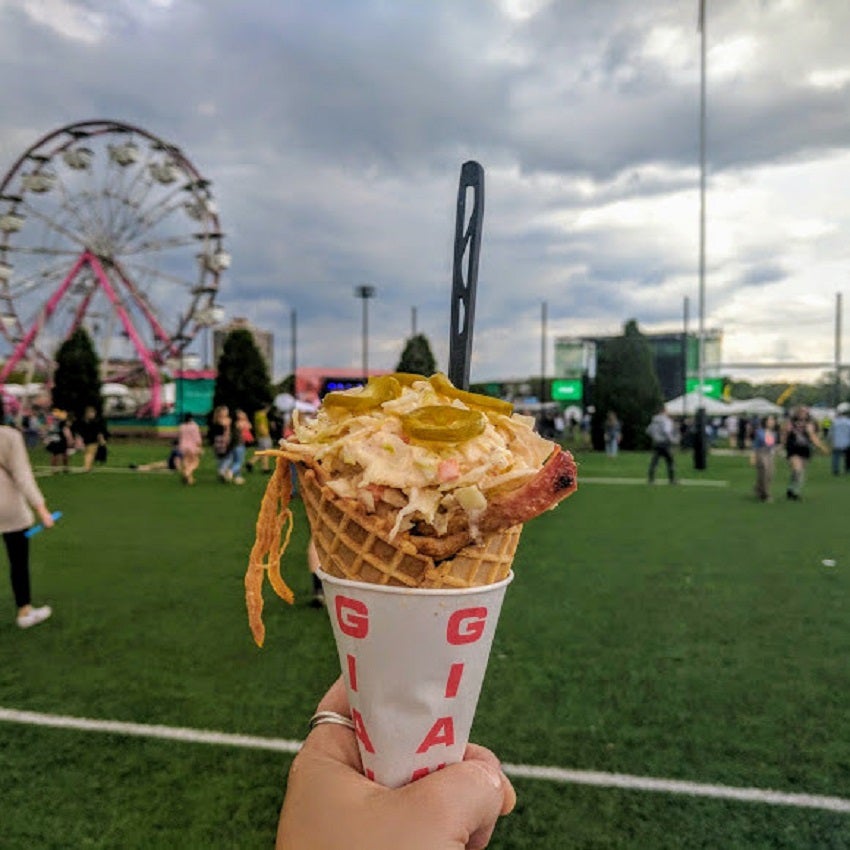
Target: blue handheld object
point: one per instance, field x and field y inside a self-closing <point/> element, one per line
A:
<point x="40" y="527"/>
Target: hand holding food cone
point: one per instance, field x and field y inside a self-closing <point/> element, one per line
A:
<point x="416" y="493"/>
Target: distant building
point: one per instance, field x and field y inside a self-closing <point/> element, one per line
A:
<point x="675" y="356"/>
<point x="264" y="340"/>
<point x="312" y="382"/>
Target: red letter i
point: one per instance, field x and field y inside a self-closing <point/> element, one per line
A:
<point x="352" y="672"/>
<point x="453" y="682"/>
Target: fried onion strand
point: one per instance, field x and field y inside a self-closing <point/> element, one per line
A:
<point x="269" y="545"/>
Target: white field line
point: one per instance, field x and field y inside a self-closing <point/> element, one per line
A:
<point x="48" y="471"/>
<point x="677" y="786"/>
<point x="519" y="771"/>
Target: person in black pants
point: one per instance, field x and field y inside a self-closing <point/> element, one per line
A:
<point x="661" y="433"/>
<point x="19" y="495"/>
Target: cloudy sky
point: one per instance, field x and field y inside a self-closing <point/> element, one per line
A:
<point x="333" y="132"/>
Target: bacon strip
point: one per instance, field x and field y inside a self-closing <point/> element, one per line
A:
<point x="552" y="484"/>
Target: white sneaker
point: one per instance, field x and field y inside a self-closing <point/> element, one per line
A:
<point x="239" y="480"/>
<point x="34" y="616"/>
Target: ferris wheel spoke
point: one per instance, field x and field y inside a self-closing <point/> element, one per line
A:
<point x="27" y="284"/>
<point x="89" y="208"/>
<point x="127" y="212"/>
<point x="163" y="207"/>
<point x="76" y="210"/>
<point x="26" y="250"/>
<point x="143" y="302"/>
<point x="123" y="223"/>
<point x="54" y="225"/>
<point x="134" y="223"/>
<point x="125" y="189"/>
<point x="182" y="282"/>
<point x="159" y="245"/>
<point x="141" y="173"/>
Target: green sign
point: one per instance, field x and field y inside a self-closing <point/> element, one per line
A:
<point x="563" y="390"/>
<point x="194" y="395"/>
<point x="711" y="387"/>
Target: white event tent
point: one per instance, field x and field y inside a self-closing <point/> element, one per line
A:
<point x="755" y="407"/>
<point x="687" y="405"/>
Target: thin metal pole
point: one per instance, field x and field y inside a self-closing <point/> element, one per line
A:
<point x="365" y="339"/>
<point x="413" y="321"/>
<point x="293" y="346"/>
<point x="701" y="365"/>
<point x="365" y="293"/>
<point x="543" y="318"/>
<point x="838" y="310"/>
<point x="686" y="317"/>
<point x="700" y="448"/>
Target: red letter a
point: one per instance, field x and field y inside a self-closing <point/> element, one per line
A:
<point x="442" y="732"/>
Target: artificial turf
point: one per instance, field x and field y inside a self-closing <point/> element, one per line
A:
<point x="683" y="632"/>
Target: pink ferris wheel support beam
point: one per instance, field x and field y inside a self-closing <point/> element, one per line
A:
<point x="87" y="258"/>
<point x="144" y="353"/>
<point x="156" y="327"/>
<point x="49" y="308"/>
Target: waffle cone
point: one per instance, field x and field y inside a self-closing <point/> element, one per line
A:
<point x="352" y="544"/>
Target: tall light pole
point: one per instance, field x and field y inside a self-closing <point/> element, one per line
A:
<point x="699" y="441"/>
<point x="543" y="318"/>
<point x="365" y="293"/>
<point x="293" y="346"/>
<point x="838" y="309"/>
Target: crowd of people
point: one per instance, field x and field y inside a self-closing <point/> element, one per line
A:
<point x="796" y="436"/>
<point x="230" y="436"/>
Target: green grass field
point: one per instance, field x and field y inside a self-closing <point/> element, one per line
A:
<point x="682" y="633"/>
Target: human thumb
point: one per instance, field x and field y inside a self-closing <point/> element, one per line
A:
<point x="460" y="804"/>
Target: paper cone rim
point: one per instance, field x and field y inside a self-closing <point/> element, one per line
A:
<point x="401" y="590"/>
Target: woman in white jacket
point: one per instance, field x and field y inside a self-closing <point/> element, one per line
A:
<point x="19" y="496"/>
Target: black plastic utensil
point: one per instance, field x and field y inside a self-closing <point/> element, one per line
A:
<point x="467" y="242"/>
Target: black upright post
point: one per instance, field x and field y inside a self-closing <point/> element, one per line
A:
<point x="700" y="448"/>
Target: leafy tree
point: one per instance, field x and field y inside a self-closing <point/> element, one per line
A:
<point x="243" y="378"/>
<point x="626" y="383"/>
<point x="417" y="357"/>
<point x="77" y="378"/>
<point x="287" y="385"/>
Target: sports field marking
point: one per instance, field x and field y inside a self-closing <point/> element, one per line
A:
<point x="520" y="771"/>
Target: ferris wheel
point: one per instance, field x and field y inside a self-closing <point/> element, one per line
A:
<point x="106" y="226"/>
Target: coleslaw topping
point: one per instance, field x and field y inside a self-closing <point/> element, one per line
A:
<point x="418" y="450"/>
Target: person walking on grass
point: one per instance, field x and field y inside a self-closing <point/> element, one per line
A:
<point x="92" y="433"/>
<point x="613" y="434"/>
<point x="59" y="439"/>
<point x="765" y="441"/>
<point x="263" y="435"/>
<point x="662" y="435"/>
<point x="19" y="496"/>
<point x="800" y="437"/>
<point x="220" y="436"/>
<point x="190" y="445"/>
<point x="241" y="436"/>
<point x="839" y="439"/>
